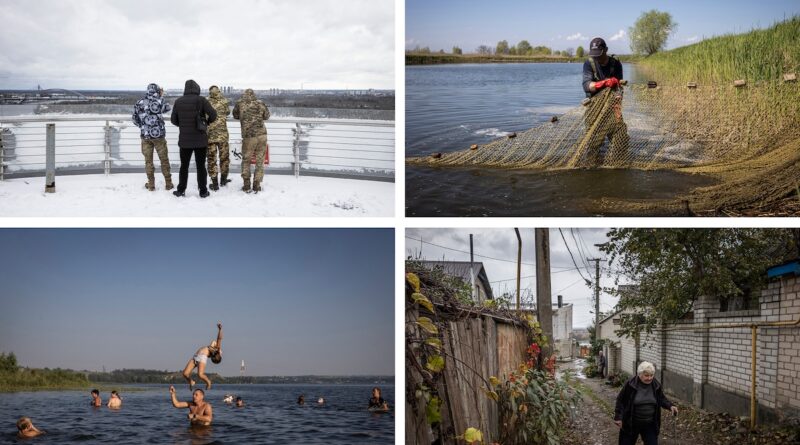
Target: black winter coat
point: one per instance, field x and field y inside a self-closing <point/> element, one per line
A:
<point x="184" y="116"/>
<point x="624" y="408"/>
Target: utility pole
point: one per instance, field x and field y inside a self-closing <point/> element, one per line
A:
<point x="544" y="305"/>
<point x="519" y="263"/>
<point x="471" y="269"/>
<point x="596" y="295"/>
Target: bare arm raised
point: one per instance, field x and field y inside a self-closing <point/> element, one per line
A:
<point x="175" y="402"/>
<point x="219" y="335"/>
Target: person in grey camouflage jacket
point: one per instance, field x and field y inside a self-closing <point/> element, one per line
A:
<point x="252" y="113"/>
<point x="147" y="116"/>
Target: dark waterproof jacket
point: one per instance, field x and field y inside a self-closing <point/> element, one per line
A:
<point x="624" y="408"/>
<point x="184" y="116"/>
<point x="612" y="69"/>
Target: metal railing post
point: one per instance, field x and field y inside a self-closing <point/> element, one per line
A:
<point x="50" y="160"/>
<point x="2" y="156"/>
<point x="107" y="148"/>
<point x="296" y="150"/>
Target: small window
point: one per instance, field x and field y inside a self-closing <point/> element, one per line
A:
<point x="616" y="321"/>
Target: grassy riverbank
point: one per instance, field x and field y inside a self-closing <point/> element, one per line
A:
<point x="758" y="170"/>
<point x="26" y="379"/>
<point x="760" y="55"/>
<point x="439" y="58"/>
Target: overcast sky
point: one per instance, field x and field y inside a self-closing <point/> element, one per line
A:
<point x="126" y="44"/>
<point x="292" y="302"/>
<point x="501" y="244"/>
<point x="571" y="23"/>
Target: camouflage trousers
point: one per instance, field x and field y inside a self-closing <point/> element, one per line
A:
<point x="160" y="146"/>
<point x="254" y="146"/>
<point x="606" y="124"/>
<point x="224" y="158"/>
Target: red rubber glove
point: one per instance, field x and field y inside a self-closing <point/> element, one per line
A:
<point x="611" y="82"/>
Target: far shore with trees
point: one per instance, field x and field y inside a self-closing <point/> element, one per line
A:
<point x="15" y="378"/>
<point x="648" y="36"/>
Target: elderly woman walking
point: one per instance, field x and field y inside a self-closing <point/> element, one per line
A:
<point x="637" y="412"/>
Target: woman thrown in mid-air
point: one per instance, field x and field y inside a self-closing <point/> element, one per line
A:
<point x="212" y="351"/>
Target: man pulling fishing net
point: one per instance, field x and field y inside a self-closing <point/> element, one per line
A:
<point x="604" y="120"/>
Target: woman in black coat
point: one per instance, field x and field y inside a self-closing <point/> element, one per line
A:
<point x="191" y="139"/>
<point x="637" y="412"/>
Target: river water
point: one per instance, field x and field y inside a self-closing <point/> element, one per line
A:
<point x="450" y="107"/>
<point x="270" y="416"/>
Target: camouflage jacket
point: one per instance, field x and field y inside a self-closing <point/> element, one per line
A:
<point x="252" y="113"/>
<point x="147" y="113"/>
<point x="218" y="130"/>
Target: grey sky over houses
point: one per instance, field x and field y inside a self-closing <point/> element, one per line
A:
<point x="125" y="44"/>
<point x="501" y="244"/>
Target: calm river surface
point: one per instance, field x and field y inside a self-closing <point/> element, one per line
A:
<point x="271" y="415"/>
<point x="450" y="107"/>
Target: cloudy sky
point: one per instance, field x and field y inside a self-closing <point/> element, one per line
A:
<point x="126" y="44"/>
<point x="501" y="246"/>
<point x="292" y="302"/>
<point x="571" y="23"/>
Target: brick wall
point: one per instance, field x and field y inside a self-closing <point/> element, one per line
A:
<point x="717" y="362"/>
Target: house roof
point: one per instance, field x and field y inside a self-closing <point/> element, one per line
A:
<point x="612" y="315"/>
<point x="461" y="270"/>
<point x="789" y="267"/>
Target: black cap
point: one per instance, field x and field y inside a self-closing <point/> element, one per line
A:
<point x="597" y="46"/>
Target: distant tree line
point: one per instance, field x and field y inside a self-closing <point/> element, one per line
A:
<point x="16" y="378"/>
<point x="143" y="376"/>
<point x="502" y="48"/>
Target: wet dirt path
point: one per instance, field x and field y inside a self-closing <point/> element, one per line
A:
<point x="593" y="423"/>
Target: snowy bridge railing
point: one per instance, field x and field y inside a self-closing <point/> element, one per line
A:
<point x="344" y="148"/>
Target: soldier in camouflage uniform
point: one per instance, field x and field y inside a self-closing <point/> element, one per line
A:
<point x="147" y="116"/>
<point x="252" y="113"/>
<point x="218" y="139"/>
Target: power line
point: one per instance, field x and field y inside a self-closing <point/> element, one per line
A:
<point x="567" y="287"/>
<point x="534" y="276"/>
<point x="475" y="254"/>
<point x="570" y="255"/>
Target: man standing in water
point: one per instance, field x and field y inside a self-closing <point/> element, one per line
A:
<point x="602" y="71"/>
<point x="200" y="412"/>
<point x="96" y="400"/>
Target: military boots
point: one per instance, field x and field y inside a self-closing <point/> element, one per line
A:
<point x="169" y="185"/>
<point x="246" y="186"/>
<point x="225" y="180"/>
<point x="214" y="183"/>
<point x="256" y="186"/>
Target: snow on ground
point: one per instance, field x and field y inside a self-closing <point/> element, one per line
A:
<point x="124" y="195"/>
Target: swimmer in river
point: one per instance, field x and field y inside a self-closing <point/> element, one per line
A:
<point x="26" y="429"/>
<point x="212" y="351"/>
<point x="376" y="402"/>
<point x="301" y="400"/>
<point x="200" y="412"/>
<point x="321" y="401"/>
<point x="239" y="402"/>
<point x="115" y="401"/>
<point x="96" y="400"/>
